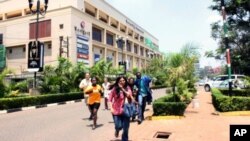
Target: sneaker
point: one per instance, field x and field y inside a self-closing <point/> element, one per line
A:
<point x="116" y="133"/>
<point x="139" y="121"/>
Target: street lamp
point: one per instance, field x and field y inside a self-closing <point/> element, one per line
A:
<point x="120" y="43"/>
<point x="38" y="12"/>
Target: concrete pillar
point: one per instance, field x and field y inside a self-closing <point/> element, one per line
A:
<point x="105" y="54"/>
<point x="104" y="36"/>
<point x="97" y="13"/>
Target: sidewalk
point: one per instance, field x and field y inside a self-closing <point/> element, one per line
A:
<point x="199" y="124"/>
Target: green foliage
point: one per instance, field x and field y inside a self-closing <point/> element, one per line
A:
<point x="167" y="105"/>
<point x="224" y="103"/>
<point x="10" y="103"/>
<point x="21" y="86"/>
<point x="237" y="92"/>
<point x="102" y="68"/>
<point x="238" y="26"/>
<point x="181" y="66"/>
<point x="3" y="87"/>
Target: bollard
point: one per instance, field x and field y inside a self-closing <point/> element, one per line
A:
<point x="195" y="103"/>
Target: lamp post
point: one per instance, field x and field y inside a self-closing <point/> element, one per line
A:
<point x="38" y="12"/>
<point x="120" y="43"/>
<point x="227" y="47"/>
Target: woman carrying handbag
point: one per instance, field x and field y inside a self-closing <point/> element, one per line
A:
<point x="120" y="91"/>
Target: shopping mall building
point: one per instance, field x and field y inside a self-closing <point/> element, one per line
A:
<point x="82" y="30"/>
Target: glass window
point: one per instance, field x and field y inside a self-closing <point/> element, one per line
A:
<point x="129" y="46"/>
<point x="110" y="39"/>
<point x="135" y="50"/>
<point x="97" y="34"/>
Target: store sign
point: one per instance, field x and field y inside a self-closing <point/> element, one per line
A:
<point x="82" y="45"/>
<point x="82" y="30"/>
<point x="96" y="58"/>
<point x="35" y="56"/>
<point x="134" y="26"/>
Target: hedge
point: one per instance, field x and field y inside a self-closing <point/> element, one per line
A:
<point x="165" y="106"/>
<point x="11" y="103"/>
<point x="237" y="92"/>
<point x="224" y="103"/>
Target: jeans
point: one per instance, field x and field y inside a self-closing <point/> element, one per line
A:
<point x="122" y="122"/>
<point x="141" y="107"/>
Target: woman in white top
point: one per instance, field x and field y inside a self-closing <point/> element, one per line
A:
<point x="105" y="87"/>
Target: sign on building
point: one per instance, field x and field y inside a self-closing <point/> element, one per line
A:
<point x="35" y="56"/>
<point x="83" y="49"/>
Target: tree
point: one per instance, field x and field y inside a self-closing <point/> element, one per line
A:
<point x="238" y="24"/>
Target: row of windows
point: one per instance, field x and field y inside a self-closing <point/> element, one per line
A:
<point x="97" y="36"/>
<point x="114" y="23"/>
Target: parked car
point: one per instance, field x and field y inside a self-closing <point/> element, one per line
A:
<point x="220" y="81"/>
<point x="201" y="82"/>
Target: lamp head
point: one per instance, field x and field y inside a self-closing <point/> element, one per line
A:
<point x="30" y="4"/>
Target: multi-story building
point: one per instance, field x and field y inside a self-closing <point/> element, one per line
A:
<point x="82" y="30"/>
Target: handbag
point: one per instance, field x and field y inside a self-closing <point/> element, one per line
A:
<point x="128" y="110"/>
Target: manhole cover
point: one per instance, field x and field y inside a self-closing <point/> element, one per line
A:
<point x="162" y="135"/>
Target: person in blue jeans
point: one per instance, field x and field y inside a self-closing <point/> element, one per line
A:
<point x="120" y="91"/>
<point x="134" y="89"/>
<point x="144" y="94"/>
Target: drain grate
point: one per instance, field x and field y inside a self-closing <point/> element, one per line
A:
<point x="162" y="135"/>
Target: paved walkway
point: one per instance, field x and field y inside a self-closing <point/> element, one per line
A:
<point x="199" y="124"/>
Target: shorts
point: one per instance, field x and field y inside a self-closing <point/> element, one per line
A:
<point x="94" y="106"/>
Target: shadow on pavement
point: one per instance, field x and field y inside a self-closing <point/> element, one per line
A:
<point x="97" y="126"/>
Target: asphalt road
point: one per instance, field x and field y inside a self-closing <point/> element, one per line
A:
<point x="59" y="123"/>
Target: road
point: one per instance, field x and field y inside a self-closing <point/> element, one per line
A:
<point x="59" y="123"/>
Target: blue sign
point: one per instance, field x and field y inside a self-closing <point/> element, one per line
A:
<point x="82" y="44"/>
<point x="96" y="58"/>
<point x="82" y="51"/>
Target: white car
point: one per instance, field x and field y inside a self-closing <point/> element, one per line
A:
<point x="220" y="81"/>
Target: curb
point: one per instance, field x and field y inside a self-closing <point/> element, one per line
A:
<point x="235" y="113"/>
<point x="163" y="117"/>
<point x="38" y="106"/>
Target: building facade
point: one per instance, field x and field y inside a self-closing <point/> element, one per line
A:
<point x="82" y="30"/>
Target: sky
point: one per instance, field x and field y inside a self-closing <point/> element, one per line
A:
<point x="174" y="22"/>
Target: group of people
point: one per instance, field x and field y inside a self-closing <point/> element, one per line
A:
<point x="123" y="93"/>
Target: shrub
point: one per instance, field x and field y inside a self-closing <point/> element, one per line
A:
<point x="166" y="106"/>
<point x="237" y="92"/>
<point x="169" y="108"/>
<point x="225" y="103"/>
<point x="10" y="103"/>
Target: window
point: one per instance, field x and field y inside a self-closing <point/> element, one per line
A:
<point x="1" y="39"/>
<point x="135" y="50"/>
<point x="97" y="34"/>
<point x="44" y="29"/>
<point x="110" y="39"/>
<point x="128" y="46"/>
<point x="24" y="49"/>
<point x="10" y="51"/>
<point x="61" y="26"/>
<point x="142" y="52"/>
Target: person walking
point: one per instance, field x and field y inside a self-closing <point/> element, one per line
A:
<point x="143" y="93"/>
<point x="119" y="93"/>
<point x="134" y="90"/>
<point x="105" y="87"/>
<point x="83" y="85"/>
<point x="94" y="91"/>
